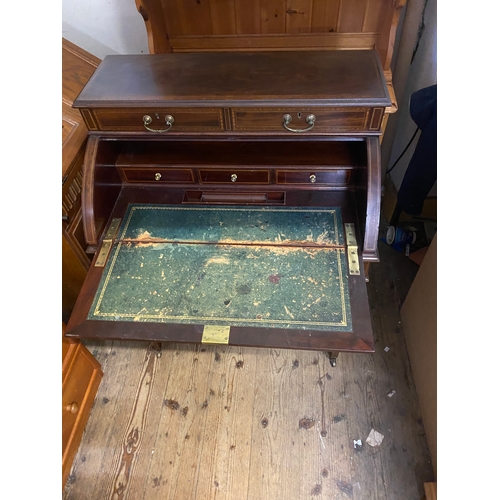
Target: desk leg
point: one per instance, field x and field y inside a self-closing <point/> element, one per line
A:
<point x="367" y="270"/>
<point x="155" y="346"/>
<point x="333" y="355"/>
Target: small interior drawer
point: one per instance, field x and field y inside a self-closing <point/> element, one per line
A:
<point x="329" y="177"/>
<point x="234" y="176"/>
<point x="235" y="197"/>
<point x="158" y="175"/>
<point x="184" y="120"/>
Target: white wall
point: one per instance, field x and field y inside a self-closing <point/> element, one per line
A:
<point x="104" y="27"/>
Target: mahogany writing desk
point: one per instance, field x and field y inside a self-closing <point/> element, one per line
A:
<point x="232" y="198"/>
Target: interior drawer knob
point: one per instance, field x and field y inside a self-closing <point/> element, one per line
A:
<point x="234" y="177"/>
<point x="169" y="120"/>
<point x="157" y="176"/>
<point x="312" y="178"/>
<point x="310" y="119"/>
<point x="72" y="408"/>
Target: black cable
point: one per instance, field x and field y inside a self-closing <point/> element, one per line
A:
<point x="401" y="155"/>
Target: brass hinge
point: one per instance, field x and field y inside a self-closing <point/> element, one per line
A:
<point x="107" y="243"/>
<point x="352" y="249"/>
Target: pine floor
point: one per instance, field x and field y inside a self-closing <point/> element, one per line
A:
<point x="211" y="422"/>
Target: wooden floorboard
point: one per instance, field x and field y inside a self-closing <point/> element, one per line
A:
<point x="232" y="423"/>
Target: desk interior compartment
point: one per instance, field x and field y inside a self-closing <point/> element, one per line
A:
<point x="207" y="170"/>
<point x="341" y="167"/>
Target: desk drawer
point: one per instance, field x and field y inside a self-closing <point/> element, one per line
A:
<point x="133" y="120"/>
<point x="326" y="120"/>
<point x="158" y="175"/>
<point x="324" y="177"/>
<point x="78" y="392"/>
<point x="234" y="176"/>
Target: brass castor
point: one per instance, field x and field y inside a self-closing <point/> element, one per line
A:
<point x="333" y="355"/>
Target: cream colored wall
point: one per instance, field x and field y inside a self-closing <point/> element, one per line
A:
<point x="104" y="27"/>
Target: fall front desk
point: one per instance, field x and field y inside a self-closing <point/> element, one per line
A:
<point x="232" y="198"/>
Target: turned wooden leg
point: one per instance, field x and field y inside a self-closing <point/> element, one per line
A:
<point x="367" y="270"/>
<point x="333" y="355"/>
<point x="155" y="346"/>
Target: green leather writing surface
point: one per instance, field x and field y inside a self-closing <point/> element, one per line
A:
<point x="234" y="225"/>
<point x="268" y="267"/>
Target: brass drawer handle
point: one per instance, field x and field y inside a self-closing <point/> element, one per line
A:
<point x="157" y="176"/>
<point x="234" y="177"/>
<point x="312" y="178"/>
<point x="169" y="120"/>
<point x="72" y="408"/>
<point x="310" y="119"/>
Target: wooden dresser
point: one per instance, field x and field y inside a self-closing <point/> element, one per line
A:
<point x="81" y="373"/>
<point x="232" y="198"/>
<point x="77" y="67"/>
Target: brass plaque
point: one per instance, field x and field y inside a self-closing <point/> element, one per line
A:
<point x="213" y="334"/>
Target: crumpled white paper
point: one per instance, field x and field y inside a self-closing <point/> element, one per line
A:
<point x="374" y="438"/>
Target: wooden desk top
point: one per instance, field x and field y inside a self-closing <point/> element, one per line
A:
<point x="333" y="78"/>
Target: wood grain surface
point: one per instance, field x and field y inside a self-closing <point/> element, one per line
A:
<point x="235" y="423"/>
<point x="229" y="25"/>
<point x="314" y="78"/>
